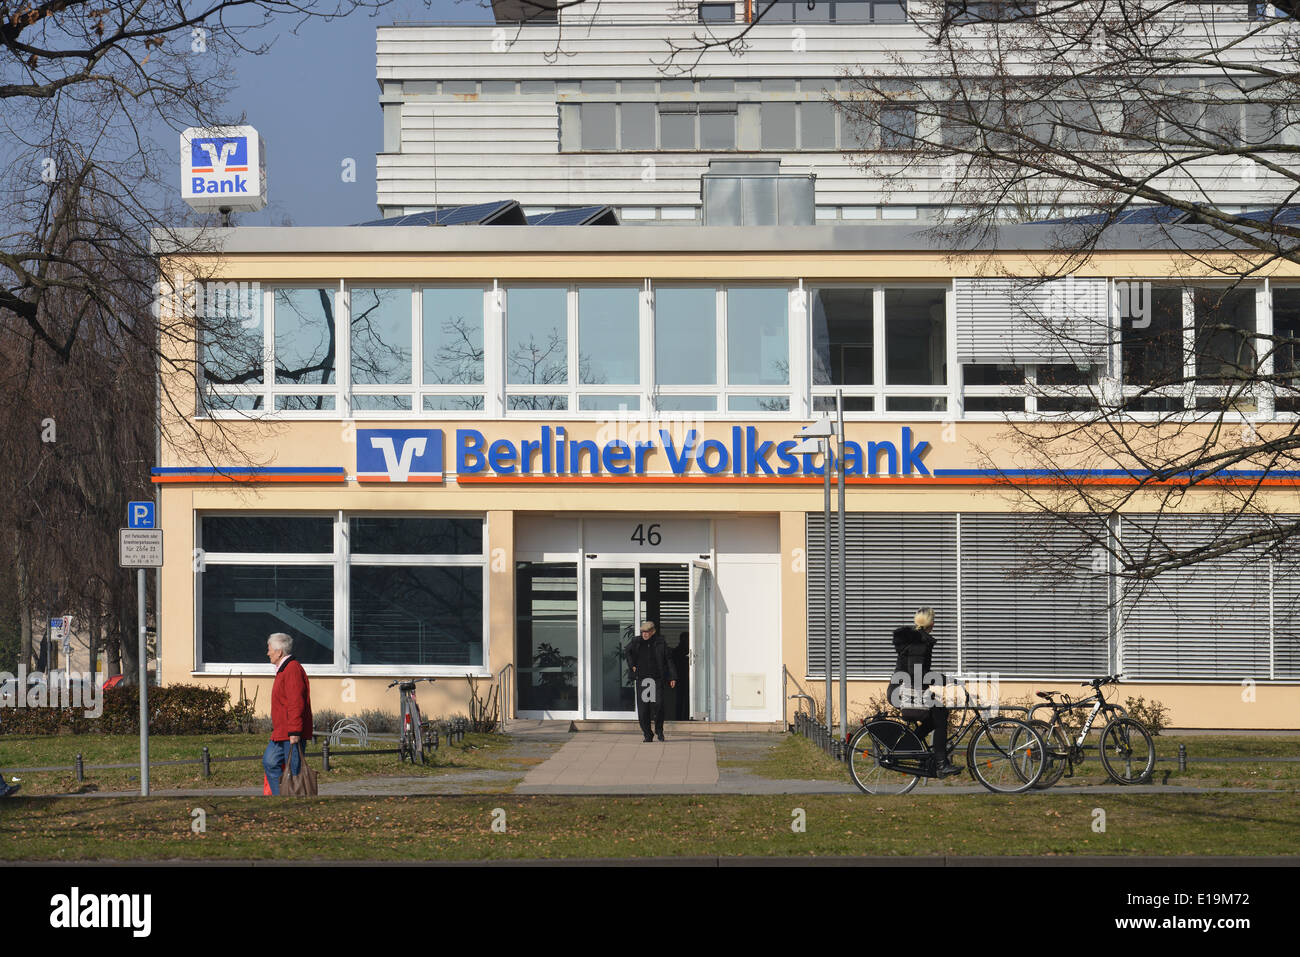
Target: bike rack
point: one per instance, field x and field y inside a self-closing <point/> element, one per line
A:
<point x="354" y="728"/>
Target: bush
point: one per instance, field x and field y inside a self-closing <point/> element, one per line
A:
<point x="379" y="722"/>
<point x="173" y="709"/>
<point x="1153" y="714"/>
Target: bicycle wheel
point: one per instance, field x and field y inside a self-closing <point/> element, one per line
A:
<point x="1007" y="756"/>
<point x="1127" y="753"/>
<point x="417" y="734"/>
<point x="874" y="740"/>
<point x="1057" y="752"/>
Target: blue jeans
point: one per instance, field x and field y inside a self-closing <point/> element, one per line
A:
<point x="277" y="753"/>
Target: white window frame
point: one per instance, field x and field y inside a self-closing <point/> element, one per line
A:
<point x="340" y="561"/>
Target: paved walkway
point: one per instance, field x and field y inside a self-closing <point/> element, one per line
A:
<point x="611" y="763"/>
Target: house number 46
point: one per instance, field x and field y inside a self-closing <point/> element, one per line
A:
<point x="647" y="535"/>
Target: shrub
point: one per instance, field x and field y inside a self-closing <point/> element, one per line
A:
<point x="1153" y="714"/>
<point x="173" y="709"/>
<point x="379" y="722"/>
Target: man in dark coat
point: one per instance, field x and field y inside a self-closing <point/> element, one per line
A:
<point x="291" y="718"/>
<point x="914" y="644"/>
<point x="650" y="662"/>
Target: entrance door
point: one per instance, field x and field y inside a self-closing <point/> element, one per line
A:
<point x="613" y="619"/>
<point x="619" y="597"/>
<point x="703" y="661"/>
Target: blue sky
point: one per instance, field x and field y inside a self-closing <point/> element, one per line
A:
<point x="314" y="99"/>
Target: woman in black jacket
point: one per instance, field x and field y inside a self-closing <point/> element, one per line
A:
<point x="914" y="644"/>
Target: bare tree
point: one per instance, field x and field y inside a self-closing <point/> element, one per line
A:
<point x="1087" y="115"/>
<point x="87" y="190"/>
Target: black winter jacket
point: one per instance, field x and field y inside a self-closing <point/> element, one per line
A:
<point x="660" y="664"/>
<point x="914" y="648"/>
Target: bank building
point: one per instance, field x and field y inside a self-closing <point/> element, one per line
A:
<point x="543" y="397"/>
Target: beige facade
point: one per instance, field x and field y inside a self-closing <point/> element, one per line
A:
<point x="770" y="512"/>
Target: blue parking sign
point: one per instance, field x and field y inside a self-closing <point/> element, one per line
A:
<point x="139" y="515"/>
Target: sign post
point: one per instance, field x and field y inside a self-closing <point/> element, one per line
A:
<point x="140" y="546"/>
<point x="817" y="438"/>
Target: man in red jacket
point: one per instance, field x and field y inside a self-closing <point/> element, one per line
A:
<point x="290" y="711"/>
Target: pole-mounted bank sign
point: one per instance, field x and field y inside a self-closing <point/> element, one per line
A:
<point x="223" y="167"/>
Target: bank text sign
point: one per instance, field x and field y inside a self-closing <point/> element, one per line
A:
<point x="401" y="455"/>
<point x="223" y="167"/>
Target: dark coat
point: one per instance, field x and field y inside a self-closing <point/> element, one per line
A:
<point x="658" y="650"/>
<point x="914" y="648"/>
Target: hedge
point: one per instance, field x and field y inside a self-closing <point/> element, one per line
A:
<point x="173" y="709"/>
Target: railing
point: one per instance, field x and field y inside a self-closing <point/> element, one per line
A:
<point x="505" y="693"/>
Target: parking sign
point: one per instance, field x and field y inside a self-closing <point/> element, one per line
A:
<point x="139" y="515"/>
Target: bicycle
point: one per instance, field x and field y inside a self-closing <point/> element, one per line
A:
<point x="412" y="742"/>
<point x="1127" y="752"/>
<point x="1005" y="755"/>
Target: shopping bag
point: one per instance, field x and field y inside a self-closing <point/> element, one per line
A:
<point x="302" y="783"/>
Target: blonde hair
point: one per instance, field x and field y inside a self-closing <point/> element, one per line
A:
<point x="649" y="624"/>
<point x="924" y="617"/>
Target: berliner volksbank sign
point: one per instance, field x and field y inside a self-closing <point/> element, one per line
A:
<point x="402" y="455"/>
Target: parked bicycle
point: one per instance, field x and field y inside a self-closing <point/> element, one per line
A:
<point x="1006" y="755"/>
<point x="1126" y="750"/>
<point x="412" y="740"/>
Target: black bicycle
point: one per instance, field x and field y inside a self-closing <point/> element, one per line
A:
<point x="1126" y="750"/>
<point x="412" y="742"/>
<point x="1006" y="755"/>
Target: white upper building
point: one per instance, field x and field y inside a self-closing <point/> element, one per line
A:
<point x="587" y="107"/>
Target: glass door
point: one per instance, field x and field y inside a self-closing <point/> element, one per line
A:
<point x="613" y="619"/>
<point x="703" y="663"/>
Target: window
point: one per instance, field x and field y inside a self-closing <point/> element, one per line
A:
<point x="598" y="126"/>
<point x="686" y="344"/>
<point x="1286" y="347"/>
<point x="1188" y="348"/>
<point x="609" y="347"/>
<point x="305" y="348"/>
<point x="416" y="609"/>
<point x="452" y="332"/>
<point x="546" y="636"/>
<point x="637" y="126"/>
<point x="778" y="125"/>
<point x="816" y="126"/>
<point x="1225" y="335"/>
<point x="897" y="128"/>
<point x="380" y="318"/>
<point x="843" y="337"/>
<point x="1151" y="345"/>
<point x="537" y="347"/>
<point x="717" y="12"/>
<point x="414" y="595"/>
<point x="758" y="348"/>
<point x="677" y="126"/>
<point x="231" y="328"/>
<point x="916" y="337"/>
<point x="718" y="126"/>
<point x="898" y="365"/>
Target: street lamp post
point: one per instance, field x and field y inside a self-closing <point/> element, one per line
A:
<point x="817" y="438"/>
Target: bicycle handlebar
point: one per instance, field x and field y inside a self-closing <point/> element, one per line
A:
<point x="404" y="680"/>
<point x="1098" y="682"/>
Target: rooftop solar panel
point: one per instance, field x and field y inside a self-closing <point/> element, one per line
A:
<point x="497" y="213"/>
<point x="581" y="216"/>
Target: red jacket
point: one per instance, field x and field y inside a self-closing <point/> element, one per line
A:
<point x="290" y="703"/>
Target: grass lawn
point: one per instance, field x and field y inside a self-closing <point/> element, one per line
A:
<point x="460" y="828"/>
<point x="476" y="752"/>
<point x="796" y="758"/>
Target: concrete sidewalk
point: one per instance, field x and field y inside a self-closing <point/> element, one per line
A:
<point x="602" y="761"/>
